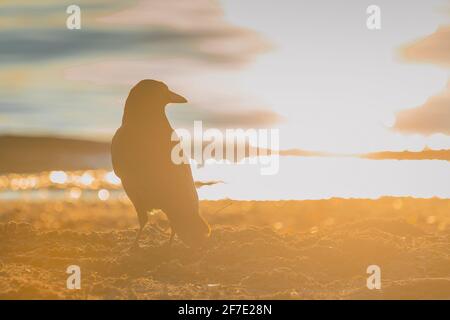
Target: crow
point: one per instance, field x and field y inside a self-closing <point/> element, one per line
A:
<point x="141" y="156"/>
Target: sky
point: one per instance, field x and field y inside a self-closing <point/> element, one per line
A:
<point x="312" y="69"/>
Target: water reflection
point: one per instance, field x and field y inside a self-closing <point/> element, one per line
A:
<point x="298" y="179"/>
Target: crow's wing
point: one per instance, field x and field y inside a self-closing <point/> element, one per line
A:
<point x="145" y="166"/>
<point x="121" y="155"/>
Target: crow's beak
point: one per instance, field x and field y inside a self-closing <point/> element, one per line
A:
<point x="176" y="98"/>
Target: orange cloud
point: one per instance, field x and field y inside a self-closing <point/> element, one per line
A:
<point x="433" y="116"/>
<point x="434" y="48"/>
<point x="429" y="118"/>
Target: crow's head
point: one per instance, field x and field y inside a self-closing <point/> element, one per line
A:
<point x="149" y="97"/>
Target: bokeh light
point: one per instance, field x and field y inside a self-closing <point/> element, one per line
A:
<point x="87" y="179"/>
<point x="103" y="194"/>
<point x="111" y="178"/>
<point x="58" y="177"/>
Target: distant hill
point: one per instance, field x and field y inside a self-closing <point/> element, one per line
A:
<point x="20" y="154"/>
<point x="23" y="154"/>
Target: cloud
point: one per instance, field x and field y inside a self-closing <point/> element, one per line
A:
<point x="14" y="107"/>
<point x="433" y="116"/>
<point x="155" y="31"/>
<point x="434" y="48"/>
<point x="69" y="74"/>
<point x="207" y="102"/>
<point x="245" y="119"/>
<point x="52" y="13"/>
<point x="175" y="14"/>
<point x="429" y="118"/>
<point x="31" y="46"/>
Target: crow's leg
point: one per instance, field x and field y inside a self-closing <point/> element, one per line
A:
<point x="143" y="219"/>
<point x="172" y="236"/>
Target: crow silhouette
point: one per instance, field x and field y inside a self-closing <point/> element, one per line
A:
<point x="141" y="156"/>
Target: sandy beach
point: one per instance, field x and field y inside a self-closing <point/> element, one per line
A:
<point x="263" y="250"/>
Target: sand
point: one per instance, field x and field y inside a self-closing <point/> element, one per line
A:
<point x="263" y="250"/>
